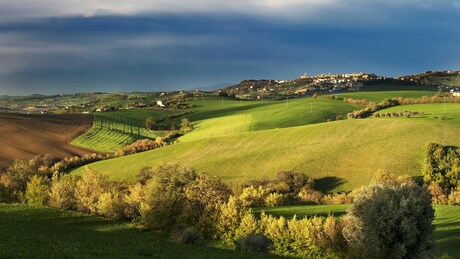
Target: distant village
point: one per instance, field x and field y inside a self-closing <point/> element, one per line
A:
<point x="305" y="85"/>
<point x="446" y="81"/>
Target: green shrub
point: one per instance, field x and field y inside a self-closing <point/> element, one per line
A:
<point x="295" y="181"/>
<point x="332" y="233"/>
<point x="89" y="189"/>
<point x="228" y="221"/>
<point x="111" y="204"/>
<point x="15" y="179"/>
<point x="247" y="225"/>
<point x="304" y="237"/>
<point x="133" y="199"/>
<point x="441" y="166"/>
<point x="254" y="197"/>
<point x="165" y="198"/>
<point x="337" y="198"/>
<point x="37" y="191"/>
<point x="253" y="243"/>
<point x="203" y="195"/>
<point x="309" y="195"/>
<point x="185" y="125"/>
<point x="454" y="198"/>
<point x="392" y="218"/>
<point x="150" y="123"/>
<point x="445" y="256"/>
<point x="438" y="196"/>
<point x="62" y="192"/>
<point x="275" y="199"/>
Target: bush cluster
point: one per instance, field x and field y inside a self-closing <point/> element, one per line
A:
<point x="14" y="180"/>
<point x="77" y="161"/>
<point x="141" y="146"/>
<point x="288" y="187"/>
<point x="306" y="237"/>
<point x="194" y="207"/>
<point x="406" y="114"/>
<point x="441" y="173"/>
<point x="371" y="107"/>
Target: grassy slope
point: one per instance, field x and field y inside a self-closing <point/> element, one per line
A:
<point x="345" y="154"/>
<point x="216" y="116"/>
<point x="112" y="130"/>
<point x="212" y="118"/>
<point x="447" y="222"/>
<point x="304" y="210"/>
<point x="378" y="96"/>
<point x="450" y="112"/>
<point x="37" y="232"/>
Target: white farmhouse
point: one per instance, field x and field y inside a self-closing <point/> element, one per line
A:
<point x="455" y="92"/>
<point x="160" y="103"/>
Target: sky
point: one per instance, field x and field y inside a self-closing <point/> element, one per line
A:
<point x="68" y="46"/>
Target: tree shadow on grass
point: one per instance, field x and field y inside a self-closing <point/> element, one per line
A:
<point x="329" y="183"/>
<point x="37" y="232"/>
<point x="418" y="179"/>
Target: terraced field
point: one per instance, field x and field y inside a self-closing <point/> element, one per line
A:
<point x="116" y="129"/>
<point x="23" y="136"/>
<point x="447" y="222"/>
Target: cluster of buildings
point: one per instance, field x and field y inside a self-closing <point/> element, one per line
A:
<point x="342" y="78"/>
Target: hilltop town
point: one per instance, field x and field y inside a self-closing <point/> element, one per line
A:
<point x="334" y="83"/>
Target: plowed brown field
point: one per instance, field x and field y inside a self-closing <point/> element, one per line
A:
<point x="23" y="136"/>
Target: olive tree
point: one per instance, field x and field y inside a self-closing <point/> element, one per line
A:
<point x="150" y="123"/>
<point x="391" y="218"/>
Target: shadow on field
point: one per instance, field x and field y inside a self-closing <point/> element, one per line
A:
<point x="328" y="183"/>
<point x="224" y="111"/>
<point x="418" y="179"/>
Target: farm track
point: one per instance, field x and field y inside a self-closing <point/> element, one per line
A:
<point x="23" y="136"/>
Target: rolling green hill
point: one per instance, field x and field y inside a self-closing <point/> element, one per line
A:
<point x="214" y="118"/>
<point x="343" y="154"/>
<point x="39" y="232"/>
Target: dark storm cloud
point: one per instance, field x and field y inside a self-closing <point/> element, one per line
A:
<point x="149" y="52"/>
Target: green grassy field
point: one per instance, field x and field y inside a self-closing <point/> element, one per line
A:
<point x="215" y="117"/>
<point x="342" y="154"/>
<point x="113" y="130"/>
<point x="212" y="116"/>
<point x="447" y="222"/>
<point x="38" y="232"/>
<point x="389" y="86"/>
<point x="378" y="96"/>
<point x="304" y="210"/>
<point x="449" y="111"/>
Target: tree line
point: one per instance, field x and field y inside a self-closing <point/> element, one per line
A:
<point x="371" y="107"/>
